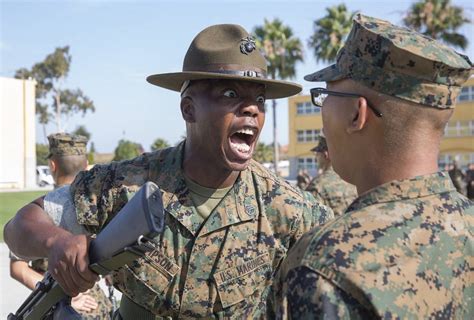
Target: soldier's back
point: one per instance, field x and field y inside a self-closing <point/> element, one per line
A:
<point x="403" y="250"/>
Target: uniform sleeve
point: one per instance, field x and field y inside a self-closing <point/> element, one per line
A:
<point x="307" y="295"/>
<point x="100" y="193"/>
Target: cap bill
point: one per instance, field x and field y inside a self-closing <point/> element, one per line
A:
<point x="331" y="73"/>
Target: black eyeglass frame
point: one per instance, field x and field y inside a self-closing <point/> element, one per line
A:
<point x="315" y="92"/>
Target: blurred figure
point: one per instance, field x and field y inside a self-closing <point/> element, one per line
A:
<point x="67" y="157"/>
<point x="470" y="181"/>
<point x="302" y="180"/>
<point x="457" y="176"/>
<point x="328" y="188"/>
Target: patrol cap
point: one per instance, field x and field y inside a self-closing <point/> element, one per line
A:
<point x="399" y="62"/>
<point x="228" y="52"/>
<point x="65" y="144"/>
<point x="321" y="145"/>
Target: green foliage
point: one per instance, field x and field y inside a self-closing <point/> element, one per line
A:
<point x="438" y="19"/>
<point x="11" y="202"/>
<point x="82" y="131"/>
<point x="91" y="154"/>
<point x="42" y="152"/>
<point x="159" y="144"/>
<point x="280" y="47"/>
<point x="329" y="33"/>
<point x="51" y="100"/>
<point x="263" y="152"/>
<point x="127" y="150"/>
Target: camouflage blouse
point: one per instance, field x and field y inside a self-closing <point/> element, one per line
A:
<point x="329" y="189"/>
<point x="403" y="250"/>
<point x="219" y="267"/>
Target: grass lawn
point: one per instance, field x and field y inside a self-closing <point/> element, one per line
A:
<point x="10" y="202"/>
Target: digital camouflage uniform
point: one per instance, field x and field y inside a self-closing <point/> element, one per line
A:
<point x="404" y="249"/>
<point x="329" y="189"/>
<point x="218" y="268"/>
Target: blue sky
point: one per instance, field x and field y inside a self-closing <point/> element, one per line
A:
<point x="116" y="44"/>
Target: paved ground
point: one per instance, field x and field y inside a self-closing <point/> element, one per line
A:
<point x="12" y="293"/>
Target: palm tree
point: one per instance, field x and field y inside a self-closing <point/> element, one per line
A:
<point x="263" y="153"/>
<point x="329" y="33"/>
<point x="282" y="51"/>
<point x="438" y="19"/>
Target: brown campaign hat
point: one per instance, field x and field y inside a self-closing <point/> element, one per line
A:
<point x="225" y="51"/>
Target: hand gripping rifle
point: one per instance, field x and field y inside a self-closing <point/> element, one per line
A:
<point x="126" y="238"/>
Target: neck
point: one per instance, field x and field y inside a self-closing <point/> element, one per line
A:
<point x="63" y="180"/>
<point x="385" y="169"/>
<point x="201" y="170"/>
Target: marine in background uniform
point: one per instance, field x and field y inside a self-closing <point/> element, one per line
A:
<point x="327" y="187"/>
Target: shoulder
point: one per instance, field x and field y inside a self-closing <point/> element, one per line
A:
<point x="267" y="181"/>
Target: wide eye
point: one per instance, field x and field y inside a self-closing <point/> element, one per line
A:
<point x="261" y="99"/>
<point x="230" y="93"/>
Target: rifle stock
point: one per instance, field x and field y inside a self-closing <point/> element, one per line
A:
<point x="125" y="239"/>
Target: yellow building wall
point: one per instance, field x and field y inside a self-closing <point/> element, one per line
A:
<point x="301" y="122"/>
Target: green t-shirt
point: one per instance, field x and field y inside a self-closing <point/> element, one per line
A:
<point x="205" y="199"/>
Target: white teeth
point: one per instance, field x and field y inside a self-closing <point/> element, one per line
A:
<point x="241" y="147"/>
<point x="246" y="131"/>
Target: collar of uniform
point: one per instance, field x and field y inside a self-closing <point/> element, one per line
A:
<point x="238" y="205"/>
<point x="420" y="186"/>
<point x="168" y="175"/>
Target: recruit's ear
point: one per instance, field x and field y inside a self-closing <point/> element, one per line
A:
<point x="52" y="165"/>
<point x="359" y="116"/>
<point x="187" y="109"/>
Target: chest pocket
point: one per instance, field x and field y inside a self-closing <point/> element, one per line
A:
<point x="154" y="271"/>
<point x="237" y="283"/>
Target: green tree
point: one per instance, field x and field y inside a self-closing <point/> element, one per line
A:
<point x="82" y="131"/>
<point x="329" y="33"/>
<point x="263" y="153"/>
<point x="42" y="152"/>
<point x="438" y="19"/>
<point x="282" y="51"/>
<point x="159" y="144"/>
<point x="127" y="150"/>
<point x="51" y="100"/>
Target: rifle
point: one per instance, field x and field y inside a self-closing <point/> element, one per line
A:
<point x="127" y="237"/>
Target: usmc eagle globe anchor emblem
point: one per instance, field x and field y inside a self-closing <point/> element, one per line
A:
<point x="247" y="45"/>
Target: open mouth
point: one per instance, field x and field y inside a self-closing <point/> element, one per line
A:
<point x="242" y="142"/>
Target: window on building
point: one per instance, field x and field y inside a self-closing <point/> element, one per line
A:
<point x="467" y="94"/>
<point x="304" y="108"/>
<point x="459" y="129"/>
<point x="306" y="163"/>
<point x="307" y="135"/>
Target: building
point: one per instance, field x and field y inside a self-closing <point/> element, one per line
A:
<point x="305" y="122"/>
<point x="17" y="134"/>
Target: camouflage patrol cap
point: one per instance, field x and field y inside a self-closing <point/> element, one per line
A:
<point x="399" y="62"/>
<point x="65" y="144"/>
<point x="321" y="145"/>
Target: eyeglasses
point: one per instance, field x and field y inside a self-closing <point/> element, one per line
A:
<point x="318" y="95"/>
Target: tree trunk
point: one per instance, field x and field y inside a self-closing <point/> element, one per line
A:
<point x="275" y="141"/>
<point x="58" y="111"/>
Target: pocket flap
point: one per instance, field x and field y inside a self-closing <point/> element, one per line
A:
<point x="236" y="283"/>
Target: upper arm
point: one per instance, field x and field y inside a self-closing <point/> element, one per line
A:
<point x="308" y="295"/>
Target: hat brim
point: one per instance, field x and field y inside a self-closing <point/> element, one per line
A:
<point x="328" y="74"/>
<point x="274" y="89"/>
